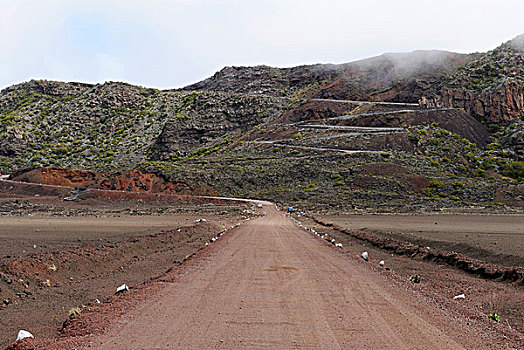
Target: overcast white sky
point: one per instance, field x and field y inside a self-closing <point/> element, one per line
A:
<point x="171" y="43"/>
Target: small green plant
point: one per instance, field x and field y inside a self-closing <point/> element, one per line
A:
<point x="414" y="138"/>
<point x="480" y="173"/>
<point x="494" y="317"/>
<point x="75" y="311"/>
<point x="499" y="204"/>
<point x="514" y="170"/>
<point x="434" y="163"/>
<point x="435" y="183"/>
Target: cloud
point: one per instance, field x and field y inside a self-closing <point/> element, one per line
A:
<point x="169" y="43"/>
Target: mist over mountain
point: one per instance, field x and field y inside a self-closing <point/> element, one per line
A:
<point x="420" y="122"/>
<point x="354" y="80"/>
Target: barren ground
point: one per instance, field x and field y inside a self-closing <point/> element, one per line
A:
<point x="270" y="284"/>
<point x="265" y="284"/>
<point x="496" y="239"/>
<point x="19" y="235"/>
<point x="55" y="255"/>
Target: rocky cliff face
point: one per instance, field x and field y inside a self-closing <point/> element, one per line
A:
<point x="210" y="120"/>
<point x="491" y="87"/>
<point x="494" y="106"/>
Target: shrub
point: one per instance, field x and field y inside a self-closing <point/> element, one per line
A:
<point x="434" y="163"/>
<point x="414" y="138"/>
<point x="435" y="183"/>
<point x="75" y="311"/>
<point x="458" y="184"/>
<point x="514" y="170"/>
<point x="480" y="173"/>
<point x="434" y="142"/>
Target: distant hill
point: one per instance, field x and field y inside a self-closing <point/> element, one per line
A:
<point x="350" y="135"/>
<point x="367" y="79"/>
<point x="117" y="126"/>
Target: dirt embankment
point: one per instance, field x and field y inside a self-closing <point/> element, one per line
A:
<point x="134" y="181"/>
<point x="451" y="258"/>
<point x="493" y="238"/>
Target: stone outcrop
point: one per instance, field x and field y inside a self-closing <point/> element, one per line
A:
<point x="490" y="88"/>
<point x="360" y="80"/>
<point x="512" y="139"/>
<point x="495" y="106"/>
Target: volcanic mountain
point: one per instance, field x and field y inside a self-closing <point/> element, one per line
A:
<point x="420" y="129"/>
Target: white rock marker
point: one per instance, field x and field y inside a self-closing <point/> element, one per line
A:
<point x="460" y="296"/>
<point x="23" y="334"/>
<point x="381" y="263"/>
<point x="122" y="288"/>
<point x="364" y="256"/>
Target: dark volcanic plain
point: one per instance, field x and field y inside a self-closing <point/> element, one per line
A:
<point x="497" y="239"/>
<point x="56" y="256"/>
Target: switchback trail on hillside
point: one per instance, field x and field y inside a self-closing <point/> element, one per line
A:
<point x="271" y="285"/>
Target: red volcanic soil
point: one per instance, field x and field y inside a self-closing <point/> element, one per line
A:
<point x="269" y="284"/>
<point x="134" y="181"/>
<point x="56" y="255"/>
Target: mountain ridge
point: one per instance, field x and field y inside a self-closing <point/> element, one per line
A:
<point x="289" y="134"/>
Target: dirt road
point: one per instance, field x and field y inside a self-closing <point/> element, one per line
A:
<point x="272" y="285"/>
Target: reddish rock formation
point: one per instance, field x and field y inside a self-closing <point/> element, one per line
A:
<point x="498" y="106"/>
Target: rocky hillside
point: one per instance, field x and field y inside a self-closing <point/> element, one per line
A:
<point x="288" y="135"/>
<point x="491" y="87"/>
<point x="265" y="80"/>
<point x="116" y="126"/>
<point x="361" y="80"/>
